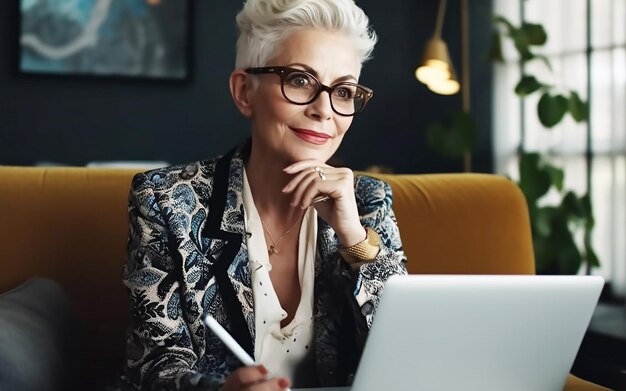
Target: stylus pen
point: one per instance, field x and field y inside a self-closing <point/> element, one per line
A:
<point x="229" y="341"/>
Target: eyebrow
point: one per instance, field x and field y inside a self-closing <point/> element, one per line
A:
<point x="314" y="73"/>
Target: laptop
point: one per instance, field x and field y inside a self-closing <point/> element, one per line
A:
<point x="476" y="333"/>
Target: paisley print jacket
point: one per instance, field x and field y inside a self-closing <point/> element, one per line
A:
<point x="187" y="256"/>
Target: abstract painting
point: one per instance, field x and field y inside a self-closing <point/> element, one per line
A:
<point x="128" y="38"/>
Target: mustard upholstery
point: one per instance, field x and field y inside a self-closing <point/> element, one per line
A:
<point x="462" y="224"/>
<point x="70" y="225"/>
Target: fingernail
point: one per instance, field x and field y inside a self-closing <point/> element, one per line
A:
<point x="283" y="383"/>
<point x="263" y="370"/>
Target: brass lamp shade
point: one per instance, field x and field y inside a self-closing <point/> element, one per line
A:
<point x="436" y="70"/>
<point x="445" y="87"/>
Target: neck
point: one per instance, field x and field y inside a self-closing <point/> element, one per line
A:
<point x="267" y="179"/>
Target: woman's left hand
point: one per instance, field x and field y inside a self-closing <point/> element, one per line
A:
<point x="313" y="179"/>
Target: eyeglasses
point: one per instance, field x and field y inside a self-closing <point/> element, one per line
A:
<point x="301" y="88"/>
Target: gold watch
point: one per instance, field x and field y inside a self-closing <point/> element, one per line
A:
<point x="364" y="251"/>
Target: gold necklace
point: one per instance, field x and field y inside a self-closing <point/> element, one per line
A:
<point x="273" y="248"/>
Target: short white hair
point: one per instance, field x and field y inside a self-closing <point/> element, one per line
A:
<point x="264" y="24"/>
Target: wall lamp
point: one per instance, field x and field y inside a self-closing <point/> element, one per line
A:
<point x="436" y="70"/>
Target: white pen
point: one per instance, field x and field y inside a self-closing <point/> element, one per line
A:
<point x="229" y="341"/>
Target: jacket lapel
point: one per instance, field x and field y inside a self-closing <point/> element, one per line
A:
<point x="225" y="229"/>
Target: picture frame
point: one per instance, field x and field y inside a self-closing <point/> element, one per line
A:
<point x="144" y="39"/>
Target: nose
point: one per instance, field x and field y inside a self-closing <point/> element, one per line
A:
<point x="321" y="107"/>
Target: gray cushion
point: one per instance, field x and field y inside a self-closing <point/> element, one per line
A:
<point x="36" y="337"/>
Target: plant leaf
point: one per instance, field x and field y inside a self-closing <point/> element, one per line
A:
<point x="499" y="19"/>
<point x="577" y="108"/>
<point x="527" y="85"/>
<point x="535" y="33"/>
<point x="495" y="48"/>
<point x="544" y="254"/>
<point x="545" y="61"/>
<point x="590" y="254"/>
<point x="541" y="222"/>
<point x="557" y="176"/>
<point x="520" y="40"/>
<point x="556" y="253"/>
<point x="587" y="209"/>
<point x="455" y="137"/>
<point x="569" y="257"/>
<point x="572" y="205"/>
<point x="534" y="179"/>
<point x="551" y="109"/>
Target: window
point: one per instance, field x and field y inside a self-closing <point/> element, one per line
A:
<point x="587" y="49"/>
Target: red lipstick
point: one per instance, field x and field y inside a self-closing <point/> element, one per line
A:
<point x="311" y="136"/>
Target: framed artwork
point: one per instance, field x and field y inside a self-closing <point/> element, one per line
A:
<point x="129" y="38"/>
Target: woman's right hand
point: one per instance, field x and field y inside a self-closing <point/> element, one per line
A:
<point x="254" y="379"/>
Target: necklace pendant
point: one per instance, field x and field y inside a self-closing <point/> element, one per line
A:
<point x="272" y="250"/>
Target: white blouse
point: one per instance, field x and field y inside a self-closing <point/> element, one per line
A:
<point x="285" y="351"/>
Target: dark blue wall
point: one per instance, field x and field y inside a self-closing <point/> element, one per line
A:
<point x="74" y="121"/>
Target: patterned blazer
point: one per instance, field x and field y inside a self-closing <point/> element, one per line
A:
<point x="187" y="256"/>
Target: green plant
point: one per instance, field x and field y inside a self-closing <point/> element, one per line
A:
<point x="552" y="105"/>
<point x="554" y="227"/>
<point x="453" y="137"/>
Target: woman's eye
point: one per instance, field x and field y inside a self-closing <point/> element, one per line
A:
<point x="344" y="93"/>
<point x="299" y="80"/>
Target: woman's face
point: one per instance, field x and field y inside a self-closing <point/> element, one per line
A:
<point x="291" y="132"/>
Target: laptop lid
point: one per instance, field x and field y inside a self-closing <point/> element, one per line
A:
<point x="482" y="333"/>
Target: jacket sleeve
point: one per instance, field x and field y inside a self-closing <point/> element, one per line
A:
<point x="160" y="354"/>
<point x="374" y="200"/>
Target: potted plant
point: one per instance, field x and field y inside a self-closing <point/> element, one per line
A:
<point x="555" y="227"/>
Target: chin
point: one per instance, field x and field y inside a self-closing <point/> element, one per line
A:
<point x="317" y="153"/>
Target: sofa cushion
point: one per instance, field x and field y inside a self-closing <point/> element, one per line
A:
<point x="36" y="337"/>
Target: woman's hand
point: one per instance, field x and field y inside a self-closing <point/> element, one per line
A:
<point x="254" y="379"/>
<point x="314" y="179"/>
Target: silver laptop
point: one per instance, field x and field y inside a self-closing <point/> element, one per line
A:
<point x="476" y="333"/>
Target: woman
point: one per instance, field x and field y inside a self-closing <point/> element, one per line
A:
<point x="288" y="253"/>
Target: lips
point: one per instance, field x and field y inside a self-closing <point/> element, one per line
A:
<point x="311" y="136"/>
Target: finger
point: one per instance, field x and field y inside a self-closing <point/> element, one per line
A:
<point x="306" y="182"/>
<point x="312" y="192"/>
<point x="337" y="183"/>
<point x="282" y="383"/>
<point x="276" y="384"/>
<point x="321" y="198"/>
<point x="245" y="376"/>
<point x="303" y="165"/>
<point x="296" y="179"/>
<point x="313" y="185"/>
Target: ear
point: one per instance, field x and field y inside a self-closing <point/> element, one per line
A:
<point x="240" y="89"/>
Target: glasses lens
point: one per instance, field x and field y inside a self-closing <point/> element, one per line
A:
<point x="300" y="87"/>
<point x="348" y="99"/>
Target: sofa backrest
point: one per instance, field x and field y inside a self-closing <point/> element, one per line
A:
<point x="462" y="224"/>
<point x="70" y="225"/>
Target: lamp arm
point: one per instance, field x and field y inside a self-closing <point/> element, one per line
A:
<point x="440" y="14"/>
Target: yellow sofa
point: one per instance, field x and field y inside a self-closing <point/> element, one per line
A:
<point x="70" y="225"/>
